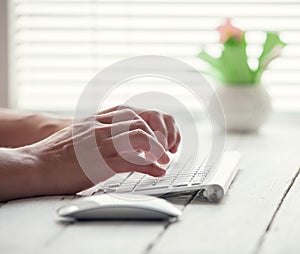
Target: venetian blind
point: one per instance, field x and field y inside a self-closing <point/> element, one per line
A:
<point x="58" y="45"/>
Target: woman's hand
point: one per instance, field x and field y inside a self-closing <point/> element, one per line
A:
<point x="151" y="132"/>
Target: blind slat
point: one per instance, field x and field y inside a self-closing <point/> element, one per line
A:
<point x="63" y="43"/>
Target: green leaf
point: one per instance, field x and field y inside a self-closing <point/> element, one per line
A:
<point x="215" y="66"/>
<point x="271" y="50"/>
<point x="214" y="62"/>
<point x="272" y="40"/>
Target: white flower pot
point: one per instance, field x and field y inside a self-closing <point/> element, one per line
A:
<point x="246" y="107"/>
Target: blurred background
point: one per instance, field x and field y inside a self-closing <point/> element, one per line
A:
<point x="51" y="48"/>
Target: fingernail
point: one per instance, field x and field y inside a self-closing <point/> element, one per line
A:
<point x="164" y="159"/>
<point x="162" y="172"/>
<point x="173" y="150"/>
<point x="167" y="158"/>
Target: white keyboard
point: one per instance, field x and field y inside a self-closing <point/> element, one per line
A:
<point x="178" y="179"/>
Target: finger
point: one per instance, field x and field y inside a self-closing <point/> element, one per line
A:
<point x="158" y="126"/>
<point x="119" y="165"/>
<point x="117" y="116"/>
<point x="171" y="130"/>
<point x="132" y="142"/>
<point x="111" y="130"/>
<point x="115" y="108"/>
<point x="174" y="149"/>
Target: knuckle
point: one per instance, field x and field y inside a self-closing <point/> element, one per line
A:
<point x="122" y="106"/>
<point x="155" y="113"/>
<point x="170" y="118"/>
<point x="102" y="118"/>
<point x="130" y="114"/>
<point x="139" y="133"/>
<point x="139" y="123"/>
<point x="99" y="117"/>
<point x="87" y="120"/>
<point x="128" y="111"/>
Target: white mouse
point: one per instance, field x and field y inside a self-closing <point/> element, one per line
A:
<point x="121" y="206"/>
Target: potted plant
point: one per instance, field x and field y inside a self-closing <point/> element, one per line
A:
<point x="245" y="101"/>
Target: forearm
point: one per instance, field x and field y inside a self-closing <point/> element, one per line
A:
<point x="19" y="176"/>
<point x="37" y="170"/>
<point x="19" y="129"/>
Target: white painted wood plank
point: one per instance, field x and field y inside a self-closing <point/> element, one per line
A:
<point x="270" y="159"/>
<point x="105" y="237"/>
<point x="27" y="224"/>
<point x="284" y="233"/>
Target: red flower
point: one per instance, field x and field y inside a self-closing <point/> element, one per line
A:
<point x="228" y="31"/>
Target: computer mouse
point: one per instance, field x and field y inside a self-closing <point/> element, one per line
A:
<point x="119" y="206"/>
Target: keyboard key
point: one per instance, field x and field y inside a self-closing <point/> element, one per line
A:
<point x="197" y="182"/>
<point x="144" y="186"/>
<point x="183" y="181"/>
<point x="114" y="185"/>
<point x="136" y="177"/>
<point x="109" y="190"/>
<point x="153" y="187"/>
<point x="125" y="189"/>
<point x="180" y="184"/>
<point x="165" y="181"/>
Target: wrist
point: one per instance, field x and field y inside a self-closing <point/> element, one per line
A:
<point x="51" y="172"/>
<point x="32" y="172"/>
<point x="19" y="174"/>
<point x="40" y="175"/>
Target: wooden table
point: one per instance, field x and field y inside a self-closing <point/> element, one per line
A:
<point x="260" y="214"/>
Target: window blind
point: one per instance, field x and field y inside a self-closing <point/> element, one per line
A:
<point x="58" y="45"/>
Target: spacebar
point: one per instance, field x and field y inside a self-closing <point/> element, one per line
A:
<point x="142" y="188"/>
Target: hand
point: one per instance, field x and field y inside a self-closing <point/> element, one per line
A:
<point x="163" y="125"/>
<point x="56" y="159"/>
